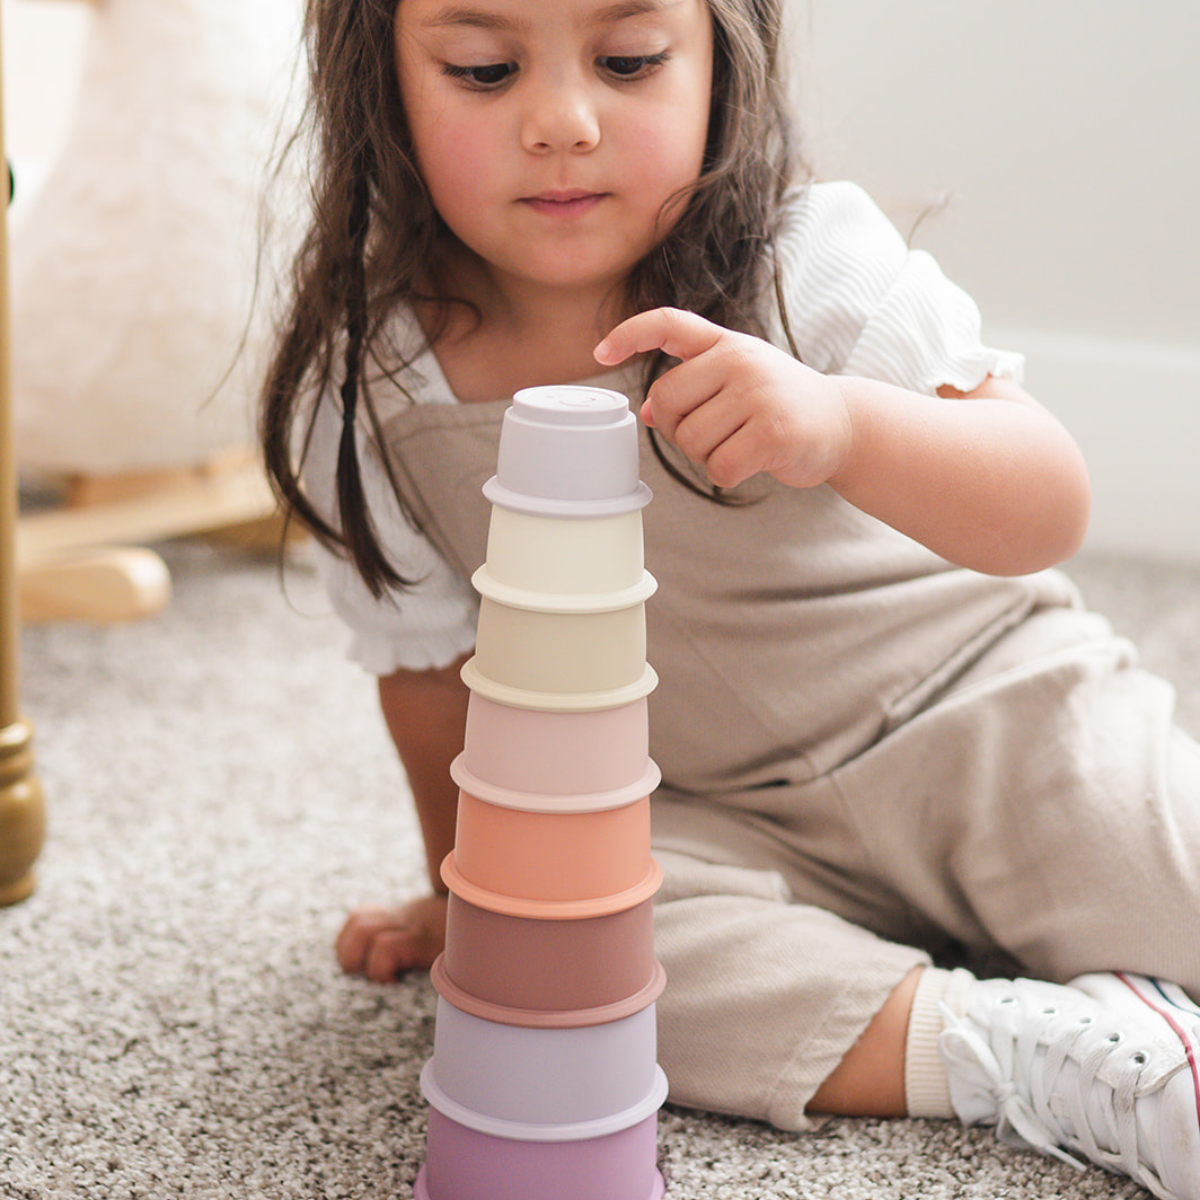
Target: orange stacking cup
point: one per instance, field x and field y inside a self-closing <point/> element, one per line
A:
<point x="547" y="855"/>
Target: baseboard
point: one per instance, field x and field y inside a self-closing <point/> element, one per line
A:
<point x="1134" y="407"/>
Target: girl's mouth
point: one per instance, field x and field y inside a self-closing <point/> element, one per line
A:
<point x="570" y="203"/>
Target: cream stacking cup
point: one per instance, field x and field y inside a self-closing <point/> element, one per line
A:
<point x="544" y="1074"/>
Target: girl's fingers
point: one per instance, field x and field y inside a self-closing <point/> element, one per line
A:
<point x="680" y="334"/>
<point x="392" y="952"/>
<point x="380" y="943"/>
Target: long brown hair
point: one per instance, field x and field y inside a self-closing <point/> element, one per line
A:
<point x="375" y="237"/>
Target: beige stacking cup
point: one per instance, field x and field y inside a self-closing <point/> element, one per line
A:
<point x="546" y="642"/>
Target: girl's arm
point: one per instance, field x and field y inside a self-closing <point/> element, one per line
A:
<point x="426" y="713"/>
<point x="989" y="480"/>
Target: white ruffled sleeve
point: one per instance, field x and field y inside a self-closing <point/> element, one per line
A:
<point x="859" y="302"/>
<point x="420" y="628"/>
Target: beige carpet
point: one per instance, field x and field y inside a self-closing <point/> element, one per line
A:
<point x="221" y="791"/>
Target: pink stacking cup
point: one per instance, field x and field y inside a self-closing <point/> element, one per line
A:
<point x="548" y="960"/>
<point x="551" y="855"/>
<point x="543" y="1075"/>
<point x="462" y="1163"/>
<point x="522" y="750"/>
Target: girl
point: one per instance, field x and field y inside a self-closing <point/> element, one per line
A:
<point x="890" y="737"/>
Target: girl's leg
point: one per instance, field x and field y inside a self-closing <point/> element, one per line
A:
<point x="766" y="999"/>
<point x="871" y="1080"/>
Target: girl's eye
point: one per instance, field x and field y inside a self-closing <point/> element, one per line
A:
<point x="492" y="75"/>
<point x="632" y="66"/>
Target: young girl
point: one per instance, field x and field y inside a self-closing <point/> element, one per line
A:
<point x="890" y="737"/>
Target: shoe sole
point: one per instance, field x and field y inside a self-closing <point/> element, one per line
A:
<point x="1180" y="1013"/>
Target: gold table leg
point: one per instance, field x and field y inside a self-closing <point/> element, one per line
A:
<point x="22" y="808"/>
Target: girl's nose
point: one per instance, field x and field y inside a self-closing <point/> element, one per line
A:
<point x="560" y="117"/>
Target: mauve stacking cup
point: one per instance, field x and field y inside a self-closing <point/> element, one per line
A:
<point x="544" y="957"/>
<point x="463" y="1163"/>
<point x="544" y="1083"/>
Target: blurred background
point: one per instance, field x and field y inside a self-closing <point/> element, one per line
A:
<point x="1045" y="153"/>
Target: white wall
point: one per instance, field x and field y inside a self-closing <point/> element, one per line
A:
<point x="1064" y="137"/>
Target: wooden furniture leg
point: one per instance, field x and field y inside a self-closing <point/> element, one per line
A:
<point x="22" y="806"/>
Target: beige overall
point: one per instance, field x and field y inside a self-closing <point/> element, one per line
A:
<point x="869" y="757"/>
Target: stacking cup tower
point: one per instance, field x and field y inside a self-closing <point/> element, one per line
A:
<point x="544" y="1082"/>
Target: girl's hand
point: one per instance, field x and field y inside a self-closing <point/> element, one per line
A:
<point x="382" y="943"/>
<point x="735" y="404"/>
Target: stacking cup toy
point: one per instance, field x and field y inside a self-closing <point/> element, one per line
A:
<point x="467" y="1164"/>
<point x="568" y="452"/>
<point x="544" y="1082"/>
<point x="547" y="855"/>
<point x="543" y="1075"/>
<point x="546" y="554"/>
<point x="538" y="643"/>
<point x="555" y="753"/>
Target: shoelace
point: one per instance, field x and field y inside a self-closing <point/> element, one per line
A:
<point x="992" y="1067"/>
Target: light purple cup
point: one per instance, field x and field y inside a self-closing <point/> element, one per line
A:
<point x="466" y="1164"/>
<point x="568" y="451"/>
<point x="544" y="1076"/>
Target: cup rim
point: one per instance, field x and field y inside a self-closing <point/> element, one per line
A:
<point x="515" y="697"/>
<point x="529" y="600"/>
<point x="550" y="910"/>
<point x="547" y="1018"/>
<point x="580" y="802"/>
<point x="542" y="506"/>
<point x="528" y="1131"/>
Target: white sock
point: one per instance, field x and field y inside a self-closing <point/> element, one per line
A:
<point x="926" y="1090"/>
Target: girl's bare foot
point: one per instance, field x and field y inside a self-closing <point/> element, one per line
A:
<point x="382" y="943"/>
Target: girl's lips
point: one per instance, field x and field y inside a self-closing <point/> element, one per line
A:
<point x="563" y="204"/>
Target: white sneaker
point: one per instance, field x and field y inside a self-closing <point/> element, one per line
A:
<point x="1107" y="1067"/>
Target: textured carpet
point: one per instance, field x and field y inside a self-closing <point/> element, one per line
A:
<point x="221" y="791"/>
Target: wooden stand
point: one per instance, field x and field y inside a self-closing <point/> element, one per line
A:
<point x="81" y="561"/>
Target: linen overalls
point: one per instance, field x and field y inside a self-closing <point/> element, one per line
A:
<point x="869" y="757"/>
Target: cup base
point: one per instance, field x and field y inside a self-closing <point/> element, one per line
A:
<point x="658" y="1188"/>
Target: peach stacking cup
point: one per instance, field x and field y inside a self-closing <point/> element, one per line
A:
<point x="553" y="855"/>
<point x="554" y="753"/>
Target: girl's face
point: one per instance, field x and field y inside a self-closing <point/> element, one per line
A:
<point x="551" y="133"/>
